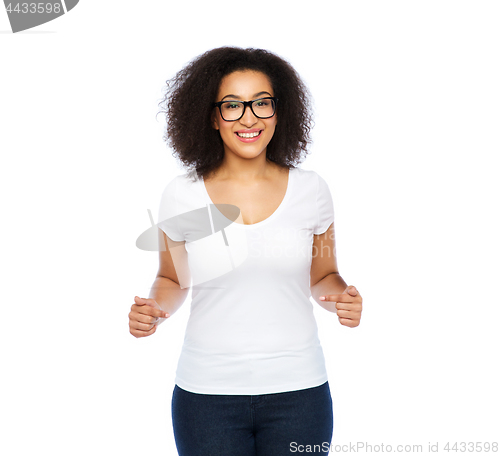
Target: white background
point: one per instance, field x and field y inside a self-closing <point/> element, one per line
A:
<point x="407" y="136"/>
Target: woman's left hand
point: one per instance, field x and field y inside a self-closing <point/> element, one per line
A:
<point x="348" y="304"/>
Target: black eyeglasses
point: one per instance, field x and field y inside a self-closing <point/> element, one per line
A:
<point x="232" y="110"/>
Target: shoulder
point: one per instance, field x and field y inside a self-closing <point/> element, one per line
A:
<point x="181" y="182"/>
<point x="307" y="177"/>
<point x="312" y="184"/>
<point x="313" y="176"/>
<point x="305" y="173"/>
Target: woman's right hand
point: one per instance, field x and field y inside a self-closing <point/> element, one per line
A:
<point x="144" y="317"/>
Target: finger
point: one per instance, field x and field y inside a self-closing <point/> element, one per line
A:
<point x="142" y="318"/>
<point x="337" y="298"/>
<point x="144" y="322"/>
<point x="154" y="312"/>
<point x="350" y="306"/>
<point x="141" y="326"/>
<point x="148" y="310"/>
<point x="140" y="333"/>
<point x="145" y="302"/>
<point x="345" y="314"/>
<point x="348" y="314"/>
<point x="351" y="290"/>
<point x="347" y="322"/>
<point x="139" y="301"/>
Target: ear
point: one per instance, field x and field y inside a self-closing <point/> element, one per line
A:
<point x="215" y="119"/>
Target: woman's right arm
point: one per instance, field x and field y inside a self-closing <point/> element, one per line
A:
<point x="173" y="279"/>
<point x="168" y="292"/>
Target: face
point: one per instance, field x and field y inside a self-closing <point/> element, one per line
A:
<point x="245" y="86"/>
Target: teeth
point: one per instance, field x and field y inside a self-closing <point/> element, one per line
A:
<point x="248" y="135"/>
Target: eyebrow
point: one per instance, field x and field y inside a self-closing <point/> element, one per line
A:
<point x="237" y="97"/>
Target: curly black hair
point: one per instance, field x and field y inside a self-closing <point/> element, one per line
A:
<point x="189" y="132"/>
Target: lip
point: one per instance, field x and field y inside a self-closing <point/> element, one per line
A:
<point x="253" y="130"/>
<point x="249" y="140"/>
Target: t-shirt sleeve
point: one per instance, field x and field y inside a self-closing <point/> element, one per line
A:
<point x="167" y="212"/>
<point x="324" y="206"/>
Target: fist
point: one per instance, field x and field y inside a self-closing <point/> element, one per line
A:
<point x="144" y="317"/>
<point x="349" y="305"/>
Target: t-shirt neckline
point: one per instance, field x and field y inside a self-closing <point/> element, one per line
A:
<point x="268" y="219"/>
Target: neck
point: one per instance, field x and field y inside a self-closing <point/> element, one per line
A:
<point x="244" y="170"/>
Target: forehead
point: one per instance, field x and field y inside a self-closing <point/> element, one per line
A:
<point x="245" y="84"/>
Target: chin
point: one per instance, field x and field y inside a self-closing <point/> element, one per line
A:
<point x="250" y="155"/>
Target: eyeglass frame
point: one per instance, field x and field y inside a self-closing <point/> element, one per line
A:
<point x="218" y="104"/>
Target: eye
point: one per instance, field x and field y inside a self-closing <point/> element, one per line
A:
<point x="262" y="103"/>
<point x="232" y="105"/>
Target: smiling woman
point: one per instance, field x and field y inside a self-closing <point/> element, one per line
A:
<point x="190" y="132"/>
<point x="251" y="378"/>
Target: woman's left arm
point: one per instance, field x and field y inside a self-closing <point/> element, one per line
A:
<point x="327" y="286"/>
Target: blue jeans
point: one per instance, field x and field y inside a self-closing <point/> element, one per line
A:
<point x="262" y="425"/>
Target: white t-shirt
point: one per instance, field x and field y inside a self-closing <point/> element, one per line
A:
<point x="251" y="329"/>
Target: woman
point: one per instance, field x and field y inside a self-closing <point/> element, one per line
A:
<point x="252" y="235"/>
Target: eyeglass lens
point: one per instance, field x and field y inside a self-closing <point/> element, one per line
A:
<point x="233" y="110"/>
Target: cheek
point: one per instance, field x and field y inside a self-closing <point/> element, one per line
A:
<point x="220" y="124"/>
<point x="226" y="132"/>
<point x="272" y="126"/>
<point x="226" y="127"/>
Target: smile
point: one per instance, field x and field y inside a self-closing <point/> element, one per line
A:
<point x="249" y="135"/>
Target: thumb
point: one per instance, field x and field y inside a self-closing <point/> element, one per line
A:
<point x="351" y="289"/>
<point x="143" y="301"/>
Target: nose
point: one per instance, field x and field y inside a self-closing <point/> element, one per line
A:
<point x="248" y="118"/>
